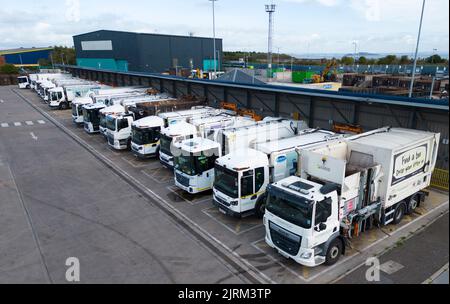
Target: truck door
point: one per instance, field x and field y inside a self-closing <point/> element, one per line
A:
<point x="248" y="196"/>
<point x="326" y="222"/>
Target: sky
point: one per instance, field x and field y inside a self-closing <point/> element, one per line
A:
<point x="301" y="26"/>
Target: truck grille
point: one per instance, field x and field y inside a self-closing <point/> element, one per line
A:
<point x="285" y="240"/>
<point x="182" y="180"/>
<point x="222" y="202"/>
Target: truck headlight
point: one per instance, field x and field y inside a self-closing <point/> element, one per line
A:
<point x="306" y="255"/>
<point x="234" y="203"/>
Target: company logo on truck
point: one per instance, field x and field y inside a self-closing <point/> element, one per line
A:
<point x="409" y="163"/>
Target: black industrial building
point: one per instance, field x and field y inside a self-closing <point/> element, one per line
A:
<point x="154" y="53"/>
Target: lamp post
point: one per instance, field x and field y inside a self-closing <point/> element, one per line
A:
<point x="411" y="88"/>
<point x="214" y="35"/>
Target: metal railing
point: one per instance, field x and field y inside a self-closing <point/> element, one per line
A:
<point x="439" y="179"/>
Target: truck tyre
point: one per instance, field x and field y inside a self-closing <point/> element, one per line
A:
<point x="334" y="252"/>
<point x="413" y="203"/>
<point x="399" y="213"/>
<point x="64" y="106"/>
<point x="260" y="208"/>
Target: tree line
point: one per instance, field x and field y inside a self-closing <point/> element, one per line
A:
<point x="261" y="57"/>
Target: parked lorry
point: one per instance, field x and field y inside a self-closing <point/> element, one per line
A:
<point x="145" y="138"/>
<point x="92" y="117"/>
<point x="62" y="97"/>
<point x="77" y="109"/>
<point x="103" y="113"/>
<point x="23" y="82"/>
<point x="172" y="132"/>
<point x="345" y="188"/>
<point x="242" y="177"/>
<point x="195" y="158"/>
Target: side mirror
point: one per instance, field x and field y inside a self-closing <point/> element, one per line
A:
<point x="322" y="227"/>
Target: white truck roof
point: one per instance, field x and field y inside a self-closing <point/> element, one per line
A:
<point x="243" y="158"/>
<point x="197" y="145"/>
<point x="113" y="109"/>
<point x="93" y="106"/>
<point x="82" y="101"/>
<point x="395" y="139"/>
<point x="187" y="112"/>
<point x="180" y="129"/>
<point x="308" y="137"/>
<point x="149" y="122"/>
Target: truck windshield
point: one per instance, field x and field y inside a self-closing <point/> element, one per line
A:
<point x="103" y="120"/>
<point x="226" y="181"/>
<point x="22" y="79"/>
<point x="145" y="136"/>
<point x="193" y="165"/>
<point x="111" y="123"/>
<point x="166" y="143"/>
<point x="297" y="211"/>
<point x="91" y="116"/>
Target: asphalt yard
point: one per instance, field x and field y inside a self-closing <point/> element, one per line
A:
<point x="82" y="198"/>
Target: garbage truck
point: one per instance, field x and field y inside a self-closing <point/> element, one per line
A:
<point x="195" y="158"/>
<point x="145" y="137"/>
<point x="172" y="132"/>
<point x="242" y="177"/>
<point x="62" y="97"/>
<point x="346" y="187"/>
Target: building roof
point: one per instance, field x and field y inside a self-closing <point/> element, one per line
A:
<point x="23" y="50"/>
<point x="238" y="76"/>
<point x="152" y="34"/>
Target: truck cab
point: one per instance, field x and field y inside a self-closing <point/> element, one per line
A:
<point x="240" y="179"/>
<point x="91" y="117"/>
<point x="302" y="221"/>
<point x="194" y="164"/>
<point x="45" y="90"/>
<point x="119" y="130"/>
<point x="282" y="156"/>
<point x="145" y="137"/>
<point x="77" y="109"/>
<point x="23" y="82"/>
<point x="200" y="153"/>
<point x="117" y="109"/>
<point x="177" y="132"/>
<point x="57" y="98"/>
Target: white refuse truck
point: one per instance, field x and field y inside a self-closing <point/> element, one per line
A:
<point x="62" y="97"/>
<point x="92" y="117"/>
<point x="243" y="176"/>
<point x="172" y="132"/>
<point x="103" y="113"/>
<point x="195" y="158"/>
<point x="345" y="188"/>
<point x="23" y="82"/>
<point x="77" y="109"/>
<point x="145" y="138"/>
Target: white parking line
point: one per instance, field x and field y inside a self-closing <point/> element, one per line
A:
<point x="41" y="122"/>
<point x="29" y="123"/>
<point x="2" y="101"/>
<point x="17" y="124"/>
<point x="4" y="125"/>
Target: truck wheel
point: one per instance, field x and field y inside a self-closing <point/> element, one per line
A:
<point x="260" y="208"/>
<point x="64" y="106"/>
<point x="334" y="252"/>
<point x="413" y="204"/>
<point x="399" y="213"/>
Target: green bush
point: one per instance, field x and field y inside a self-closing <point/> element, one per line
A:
<point x="9" y="69"/>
